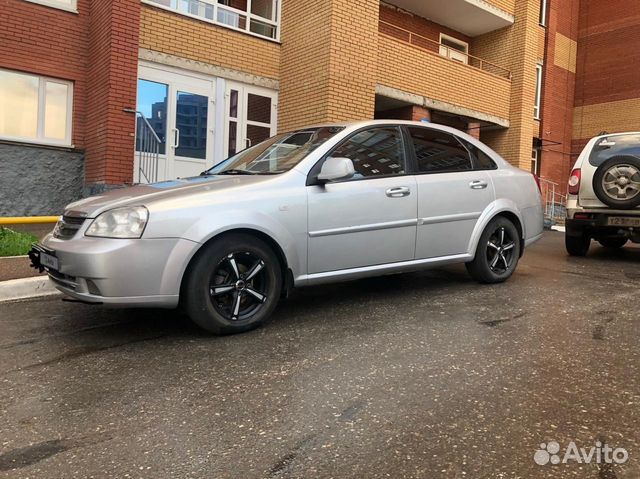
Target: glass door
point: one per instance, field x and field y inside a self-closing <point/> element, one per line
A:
<point x="250" y="116"/>
<point x="191" y="133"/>
<point x="179" y="109"/>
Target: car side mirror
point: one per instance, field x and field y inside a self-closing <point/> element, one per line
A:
<point x="335" y="169"/>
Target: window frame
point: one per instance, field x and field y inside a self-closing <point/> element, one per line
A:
<point x="214" y="3"/>
<point x="447" y="49"/>
<point x="312" y="176"/>
<point x="535" y="160"/>
<point x="40" y="139"/>
<point x="543" y="12"/>
<point x="461" y="142"/>
<point x="537" y="107"/>
<point x="54" y="4"/>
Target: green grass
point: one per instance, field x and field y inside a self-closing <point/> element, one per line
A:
<point x="13" y="243"/>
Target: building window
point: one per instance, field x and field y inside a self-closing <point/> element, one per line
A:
<point x="536" y="108"/>
<point x="454" y="49"/>
<point x="543" y="12"/>
<point x="69" y="5"/>
<point x="35" y="109"/>
<point x="256" y="17"/>
<point x="534" y="161"/>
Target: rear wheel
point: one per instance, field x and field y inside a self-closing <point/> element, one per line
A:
<point x="577" y="245"/>
<point x="233" y="285"/>
<point x="613" y="242"/>
<point x="498" y="252"/>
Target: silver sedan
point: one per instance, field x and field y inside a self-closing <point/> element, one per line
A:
<point x="322" y="204"/>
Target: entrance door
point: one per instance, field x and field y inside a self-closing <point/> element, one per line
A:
<point x="179" y="107"/>
<point x="250" y="116"/>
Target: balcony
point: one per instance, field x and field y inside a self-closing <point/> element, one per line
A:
<point x="434" y="75"/>
<point x="471" y="17"/>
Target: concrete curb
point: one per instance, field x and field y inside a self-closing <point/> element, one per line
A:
<point x="26" y="288"/>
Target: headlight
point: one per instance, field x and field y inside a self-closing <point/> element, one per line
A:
<point x="128" y="222"/>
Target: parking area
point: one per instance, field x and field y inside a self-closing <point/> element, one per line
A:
<point x="417" y="375"/>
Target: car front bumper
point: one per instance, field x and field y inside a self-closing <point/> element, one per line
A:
<point x="118" y="272"/>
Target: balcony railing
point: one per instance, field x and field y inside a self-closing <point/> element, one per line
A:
<point x="411" y="38"/>
<point x="265" y="25"/>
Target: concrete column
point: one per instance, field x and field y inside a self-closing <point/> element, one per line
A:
<point x="329" y="61"/>
<point x="112" y="81"/>
<point x="473" y="129"/>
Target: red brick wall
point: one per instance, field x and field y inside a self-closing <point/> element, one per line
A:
<point x="97" y="49"/>
<point x="51" y="42"/>
<point x="608" y="51"/>
<point x="558" y="94"/>
<point x="112" y="74"/>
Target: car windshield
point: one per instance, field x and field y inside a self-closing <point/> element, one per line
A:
<point x="275" y="155"/>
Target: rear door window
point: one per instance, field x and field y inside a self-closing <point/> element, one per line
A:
<point x="438" y="152"/>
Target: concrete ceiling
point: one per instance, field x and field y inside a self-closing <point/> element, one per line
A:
<point x="471" y="17"/>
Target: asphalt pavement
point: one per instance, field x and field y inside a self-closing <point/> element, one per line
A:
<point x="423" y="375"/>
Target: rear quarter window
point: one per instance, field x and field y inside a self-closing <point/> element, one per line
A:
<point x="608" y="147"/>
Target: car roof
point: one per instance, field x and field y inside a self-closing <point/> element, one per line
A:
<point x="609" y="135"/>
<point x="354" y="125"/>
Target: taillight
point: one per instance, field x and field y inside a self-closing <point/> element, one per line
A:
<point x="537" y="178"/>
<point x="574" y="181"/>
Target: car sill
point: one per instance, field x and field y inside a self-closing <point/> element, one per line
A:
<point x="356" y="273"/>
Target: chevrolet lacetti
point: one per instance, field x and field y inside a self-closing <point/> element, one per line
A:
<point x="317" y="205"/>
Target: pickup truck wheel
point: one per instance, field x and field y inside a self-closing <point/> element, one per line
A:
<point x="233" y="285"/>
<point x="577" y="245"/>
<point x="613" y="242"/>
<point x="497" y="253"/>
<point x="617" y="182"/>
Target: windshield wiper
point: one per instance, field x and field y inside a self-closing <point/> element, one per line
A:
<point x="232" y="171"/>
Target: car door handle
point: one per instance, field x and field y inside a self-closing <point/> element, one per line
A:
<point x="398" y="192"/>
<point x="478" y="185"/>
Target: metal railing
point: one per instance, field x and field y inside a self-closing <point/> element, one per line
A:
<point x="555" y="202"/>
<point x="411" y="38"/>
<point x="147" y="149"/>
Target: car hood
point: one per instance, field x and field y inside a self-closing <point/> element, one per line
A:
<point x="148" y="194"/>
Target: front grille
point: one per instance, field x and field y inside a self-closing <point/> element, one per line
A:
<point x="67" y="227"/>
<point x="63" y="279"/>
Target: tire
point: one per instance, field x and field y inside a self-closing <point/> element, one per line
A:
<point x="617" y="182"/>
<point x="613" y="242"/>
<point x="577" y="245"/>
<point x="231" y="267"/>
<point x="498" y="252"/>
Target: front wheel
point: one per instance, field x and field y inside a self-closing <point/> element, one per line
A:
<point x="577" y="245"/>
<point x="498" y="252"/>
<point x="233" y="285"/>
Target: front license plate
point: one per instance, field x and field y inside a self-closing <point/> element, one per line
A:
<point x="49" y="261"/>
<point x="622" y="221"/>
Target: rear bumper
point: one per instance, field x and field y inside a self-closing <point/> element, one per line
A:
<point x="141" y="272"/>
<point x="594" y="223"/>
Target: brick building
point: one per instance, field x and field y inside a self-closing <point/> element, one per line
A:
<point x="198" y="80"/>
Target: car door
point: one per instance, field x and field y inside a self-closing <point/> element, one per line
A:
<point x="452" y="192"/>
<point x="369" y="219"/>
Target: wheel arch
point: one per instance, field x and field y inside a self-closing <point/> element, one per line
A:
<point x="511" y="216"/>
<point x="287" y="274"/>
<point x="507" y="211"/>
